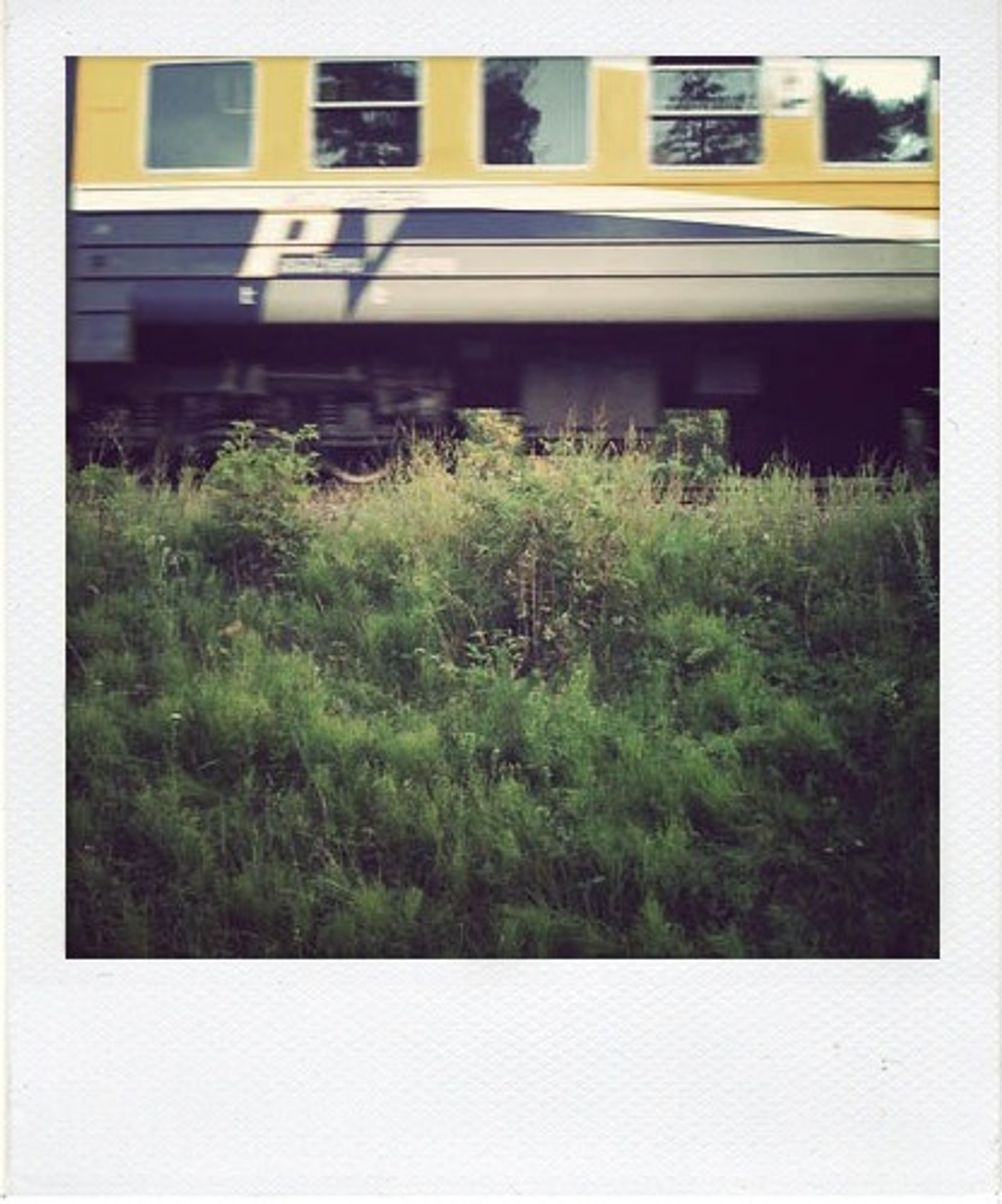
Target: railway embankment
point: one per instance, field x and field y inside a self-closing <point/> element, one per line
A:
<point x="503" y="706"/>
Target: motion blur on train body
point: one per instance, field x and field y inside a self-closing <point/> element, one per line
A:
<point x="372" y="245"/>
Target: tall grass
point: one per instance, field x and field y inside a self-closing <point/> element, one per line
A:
<point x="502" y="706"/>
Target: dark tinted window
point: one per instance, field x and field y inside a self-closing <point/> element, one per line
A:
<point x="366" y="137"/>
<point x="352" y="82"/>
<point x="366" y="113"/>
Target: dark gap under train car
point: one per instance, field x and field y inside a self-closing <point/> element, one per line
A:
<point x="827" y="397"/>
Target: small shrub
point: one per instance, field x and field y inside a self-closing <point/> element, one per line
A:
<point x="492" y="445"/>
<point x="257" y="527"/>
<point x="692" y="447"/>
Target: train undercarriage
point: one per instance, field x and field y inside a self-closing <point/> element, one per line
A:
<point x="826" y="395"/>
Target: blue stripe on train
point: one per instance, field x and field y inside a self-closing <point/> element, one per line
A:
<point x="540" y="225"/>
<point x="128" y="263"/>
<point x="162" y="229"/>
<point x="229" y="302"/>
<point x="236" y="229"/>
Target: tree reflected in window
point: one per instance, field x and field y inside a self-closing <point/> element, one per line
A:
<point x="704" y="114"/>
<point x="702" y="89"/>
<point x="710" y="140"/>
<point x="535" y="111"/>
<point x="877" y="111"/>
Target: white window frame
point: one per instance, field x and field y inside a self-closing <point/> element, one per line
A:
<point x="418" y="103"/>
<point x="832" y="165"/>
<point x="480" y="116"/>
<point x="252" y="111"/>
<point x="653" y="114"/>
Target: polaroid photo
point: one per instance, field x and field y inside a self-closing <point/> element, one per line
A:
<point x="493" y="705"/>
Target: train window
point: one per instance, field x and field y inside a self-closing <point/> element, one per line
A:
<point x="199" y="115"/>
<point x="705" y="111"/>
<point x="535" y="111"/>
<point x="366" y="113"/>
<point x="877" y="110"/>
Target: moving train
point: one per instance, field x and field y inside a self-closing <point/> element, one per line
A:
<point x="366" y="243"/>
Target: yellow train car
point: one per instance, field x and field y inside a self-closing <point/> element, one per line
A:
<point x="362" y="242"/>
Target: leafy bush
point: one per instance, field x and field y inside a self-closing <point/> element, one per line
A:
<point x="257" y="527"/>
<point x="692" y="447"/>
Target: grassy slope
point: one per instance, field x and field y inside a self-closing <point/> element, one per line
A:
<point x="527" y="708"/>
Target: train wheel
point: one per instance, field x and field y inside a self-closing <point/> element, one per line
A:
<point x="345" y="477"/>
<point x="361" y="468"/>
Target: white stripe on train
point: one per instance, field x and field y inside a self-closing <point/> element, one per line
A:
<point x="289" y="201"/>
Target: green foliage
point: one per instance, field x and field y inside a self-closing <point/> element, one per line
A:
<point x="691" y="448"/>
<point x="256" y="526"/>
<point x="492" y="445"/>
<point x="510" y="706"/>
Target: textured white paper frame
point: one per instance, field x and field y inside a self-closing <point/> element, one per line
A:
<point x="502" y="1077"/>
